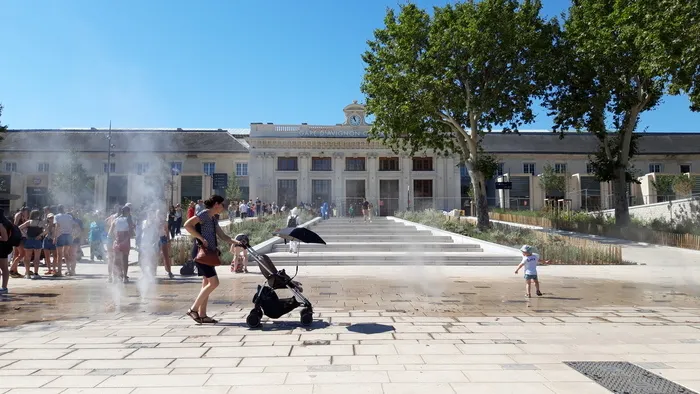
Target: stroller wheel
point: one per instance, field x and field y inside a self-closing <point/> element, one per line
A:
<point x="253" y="319"/>
<point x="307" y="317"/>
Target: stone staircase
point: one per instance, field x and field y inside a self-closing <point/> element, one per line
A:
<point x="386" y="242"/>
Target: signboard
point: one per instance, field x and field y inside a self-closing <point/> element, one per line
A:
<point x="504" y="185"/>
<point x="219" y="181"/>
<point x="5" y="183"/>
<point x="332" y="133"/>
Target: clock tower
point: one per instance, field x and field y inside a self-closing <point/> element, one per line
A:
<point x="355" y="114"/>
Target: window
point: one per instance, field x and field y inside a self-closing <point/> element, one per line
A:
<point x="112" y="168"/>
<point x="43" y="167"/>
<point x="529" y="168"/>
<point x="499" y="170"/>
<point x="176" y="166"/>
<point x="560" y="168"/>
<point x="655" y="167"/>
<point x="209" y="168"/>
<point x="142" y="168"/>
<point x="685" y="168"/>
<point x="241" y="169"/>
<point x="287" y="164"/>
<point x="388" y="164"/>
<point x="589" y="168"/>
<point x="321" y="164"/>
<point x="10" y="166"/>
<point x="423" y="193"/>
<point x="355" y="164"/>
<point x="463" y="171"/>
<point x="422" y="164"/>
<point x="287" y="192"/>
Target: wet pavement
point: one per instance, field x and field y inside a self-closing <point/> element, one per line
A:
<point x="410" y="292"/>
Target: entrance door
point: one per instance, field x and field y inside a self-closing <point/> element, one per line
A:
<point x="354" y="194"/>
<point x="287" y="192"/>
<point x="388" y="196"/>
<point x="320" y="192"/>
<point x="118" y="185"/>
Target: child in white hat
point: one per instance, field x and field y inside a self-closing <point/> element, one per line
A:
<point x="530" y="263"/>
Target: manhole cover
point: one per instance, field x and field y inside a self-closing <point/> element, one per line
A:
<point x="623" y="377"/>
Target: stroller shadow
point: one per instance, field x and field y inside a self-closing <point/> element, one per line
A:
<point x="271" y="325"/>
<point x="370" y="328"/>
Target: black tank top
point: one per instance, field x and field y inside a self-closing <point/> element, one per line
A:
<point x="34" y="231"/>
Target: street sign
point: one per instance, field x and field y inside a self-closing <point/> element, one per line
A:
<point x="219" y="181"/>
<point x="504" y="185"/>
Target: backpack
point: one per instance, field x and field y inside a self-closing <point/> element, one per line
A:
<point x="14" y="237"/>
<point x="187" y="269"/>
<point x="292" y="221"/>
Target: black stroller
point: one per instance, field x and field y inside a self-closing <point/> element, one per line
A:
<point x="266" y="300"/>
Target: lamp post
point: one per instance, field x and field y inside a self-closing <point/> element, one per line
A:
<point x="173" y="171"/>
<point x="109" y="163"/>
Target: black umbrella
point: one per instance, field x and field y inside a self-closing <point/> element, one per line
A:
<point x="299" y="234"/>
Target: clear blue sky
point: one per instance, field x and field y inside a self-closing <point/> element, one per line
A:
<point x="210" y="64"/>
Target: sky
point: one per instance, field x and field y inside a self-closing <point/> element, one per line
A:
<point x="210" y="64"/>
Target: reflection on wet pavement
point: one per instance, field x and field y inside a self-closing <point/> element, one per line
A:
<point x="87" y="296"/>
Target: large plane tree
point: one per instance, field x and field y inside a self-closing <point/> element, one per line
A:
<point x="440" y="82"/>
<point x="616" y="59"/>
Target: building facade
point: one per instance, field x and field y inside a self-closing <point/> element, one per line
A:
<point x="291" y="164"/>
<point x="172" y="165"/>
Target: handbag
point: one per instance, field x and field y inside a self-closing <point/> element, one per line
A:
<point x="209" y="257"/>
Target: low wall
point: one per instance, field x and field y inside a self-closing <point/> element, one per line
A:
<point x="676" y="210"/>
<point x="266" y="246"/>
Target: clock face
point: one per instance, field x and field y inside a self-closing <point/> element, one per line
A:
<point x="355" y="120"/>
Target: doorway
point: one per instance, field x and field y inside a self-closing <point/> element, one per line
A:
<point x="388" y="197"/>
<point x="320" y="192"/>
<point x="354" y="194"/>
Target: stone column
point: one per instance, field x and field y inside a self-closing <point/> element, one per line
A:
<point x="338" y="182"/>
<point x="206" y="186"/>
<point x="372" y="178"/>
<point x="256" y="172"/>
<point x="439" y="190"/>
<point x="406" y="168"/>
<point x="304" y="186"/>
<point x="269" y="180"/>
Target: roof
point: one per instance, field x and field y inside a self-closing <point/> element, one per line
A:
<point x="586" y="143"/>
<point x="124" y="140"/>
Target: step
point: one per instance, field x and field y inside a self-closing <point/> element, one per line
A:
<point x="370" y="230"/>
<point x="480" y="263"/>
<point x="329" y="257"/>
<point x="361" y="238"/>
<point x="384" y="246"/>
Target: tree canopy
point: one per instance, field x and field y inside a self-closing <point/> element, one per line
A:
<point x="71" y="184"/>
<point x="233" y="190"/>
<point x="615" y="60"/>
<point x="438" y="83"/>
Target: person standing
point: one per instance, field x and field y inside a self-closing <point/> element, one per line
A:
<point x="49" y="246"/>
<point x="121" y="231"/>
<point x="164" y="244"/>
<point x="205" y="229"/>
<point x="199" y="207"/>
<point x="170" y="222"/>
<point x="34" y="228"/>
<point x="178" y="219"/>
<point x="95" y="239"/>
<point x="63" y="238"/>
<point x="243" y="208"/>
<point x="190" y="210"/>
<point x="76" y="250"/>
<point x="258" y="207"/>
<point x="5" y="250"/>
<point x="293" y="221"/>
<point x="18" y="253"/>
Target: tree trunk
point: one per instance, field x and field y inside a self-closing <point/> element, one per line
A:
<point x="480" y="200"/>
<point x="622" y="213"/>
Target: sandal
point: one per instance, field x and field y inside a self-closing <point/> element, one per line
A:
<point x="539" y="293"/>
<point x="208" y="320"/>
<point x="195" y="316"/>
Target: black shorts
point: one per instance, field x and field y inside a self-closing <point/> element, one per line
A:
<point x="206" y="271"/>
<point x="5" y="250"/>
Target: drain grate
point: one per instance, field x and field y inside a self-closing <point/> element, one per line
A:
<point x="623" y="377"/>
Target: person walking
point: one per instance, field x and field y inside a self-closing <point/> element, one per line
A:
<point x="529" y="262"/>
<point x="293" y="221"/>
<point x="190" y="210"/>
<point x="205" y="229"/>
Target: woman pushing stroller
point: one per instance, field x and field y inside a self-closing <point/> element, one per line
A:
<point x="205" y="228"/>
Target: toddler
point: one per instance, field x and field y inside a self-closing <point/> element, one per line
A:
<point x="530" y="264"/>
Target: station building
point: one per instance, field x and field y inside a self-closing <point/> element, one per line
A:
<point x="291" y="164"/>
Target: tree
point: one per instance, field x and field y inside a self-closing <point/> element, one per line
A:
<point x="71" y="184"/>
<point x="439" y="83"/>
<point x="551" y="181"/>
<point x="615" y="60"/>
<point x="233" y="190"/>
<point x="2" y="128"/>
